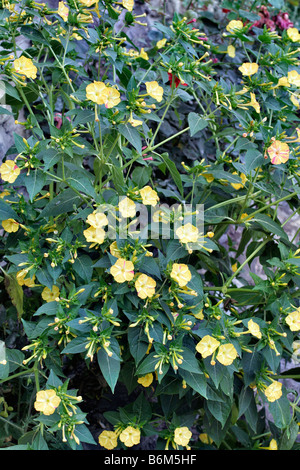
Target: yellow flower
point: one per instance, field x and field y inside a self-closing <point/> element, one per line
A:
<point x="226" y="354"/>
<point x="293" y="34"/>
<point x="22" y="280"/>
<point x="208" y="176"/>
<point x="234" y="267"/>
<point x="188" y="233"/>
<point x="46" y="401"/>
<point x="114" y="250"/>
<point x="149" y="196"/>
<point x="94" y="235"/>
<point x="97" y="219"/>
<point x="205" y="438"/>
<point x="207" y="346"/>
<point x="130" y="436"/>
<point x="274" y="391"/>
<point x="146" y="380"/>
<point x="295" y="99"/>
<point x="127" y="207"/>
<point x="273" y="445"/>
<point x="50" y="295"/>
<point x="108" y="440"/>
<point x="248" y="68"/>
<point x="182" y="436"/>
<point x="145" y="286"/>
<point x="135" y="122"/>
<point x="293" y="78"/>
<point x="97" y="92"/>
<point x="231" y="51"/>
<point x="25" y="66"/>
<point x="122" y="270"/>
<point x="155" y="90"/>
<point x="278" y="152"/>
<point x="10" y="225"/>
<point x="88" y="3"/>
<point x="239" y="185"/>
<point x="283" y="81"/>
<point x="63" y="11"/>
<point x="293" y="320"/>
<point x="181" y="274"/>
<point x="9" y="171"/>
<point x="113" y="97"/>
<point x="128" y="4"/>
<point x="254" y="329"/>
<point x="234" y="26"/>
<point x="143" y="54"/>
<point x="161" y="43"/>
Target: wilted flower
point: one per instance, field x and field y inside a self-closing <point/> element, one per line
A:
<point x="146" y="380"/>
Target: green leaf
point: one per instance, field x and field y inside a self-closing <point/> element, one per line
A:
<point x="196" y="381"/>
<point x="270" y="225"/>
<point x="173" y="171"/>
<point x="14" y="291"/>
<point x="6" y="212"/>
<point x="83" y="266"/>
<point x="196" y="123"/>
<point x="64" y="202"/>
<point x="132" y="135"/>
<point x="34" y="183"/>
<point x="110" y="367"/>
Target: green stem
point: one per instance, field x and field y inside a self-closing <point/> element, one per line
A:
<point x="260" y="246"/>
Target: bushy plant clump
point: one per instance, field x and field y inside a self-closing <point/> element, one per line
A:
<point x="118" y="256"/>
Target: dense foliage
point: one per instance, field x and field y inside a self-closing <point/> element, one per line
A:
<point x="118" y="206"/>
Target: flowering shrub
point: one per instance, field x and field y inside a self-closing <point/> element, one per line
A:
<point x="118" y="256"/>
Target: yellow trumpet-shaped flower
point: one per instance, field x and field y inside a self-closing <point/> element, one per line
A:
<point x="248" y="68"/>
<point x="182" y="436"/>
<point x="293" y="78"/>
<point x="9" y="171"/>
<point x="97" y="92"/>
<point x="293" y="320"/>
<point x="149" y="196"/>
<point x="155" y="90"/>
<point x="122" y="270"/>
<point x="181" y="274"/>
<point x="49" y="295"/>
<point x="10" y="225"/>
<point x="130" y="436"/>
<point x="145" y="286"/>
<point x="188" y="233"/>
<point x="207" y="346"/>
<point x="108" y="440"/>
<point x="234" y="26"/>
<point x="274" y="391"/>
<point x="226" y="354"/>
<point x="25" y="66"/>
<point x="46" y="401"/>
<point x="278" y="152"/>
<point x="293" y="34"/>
